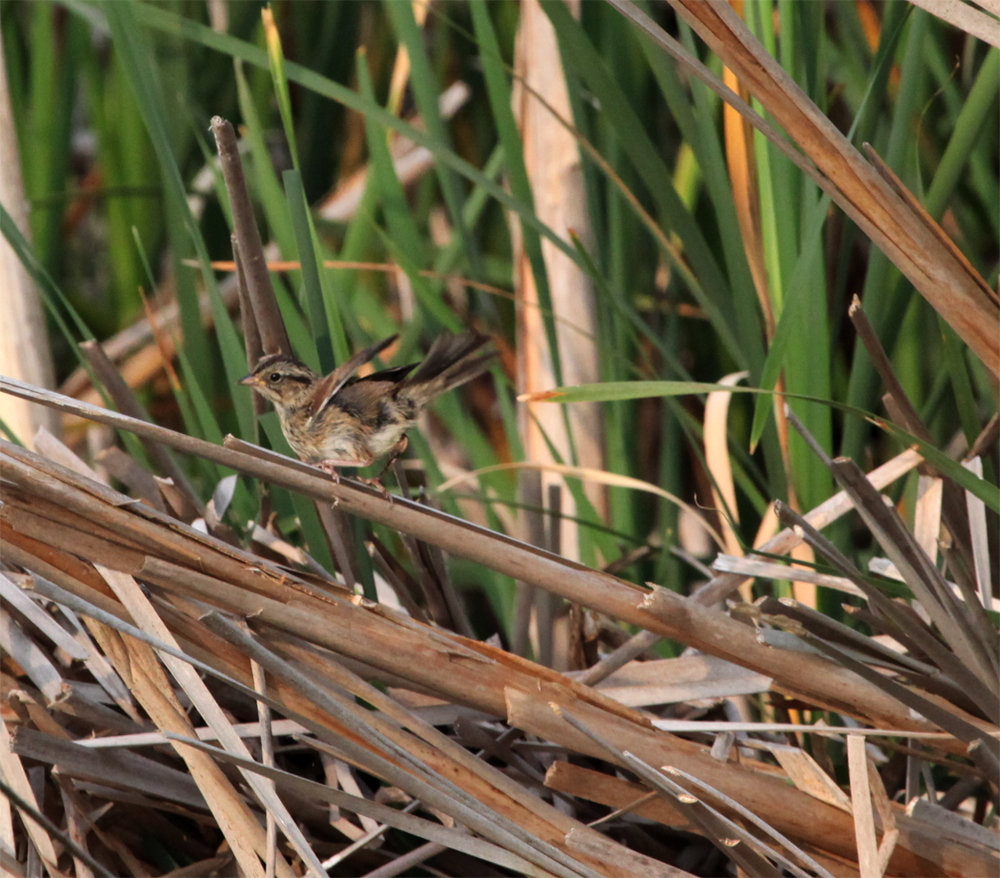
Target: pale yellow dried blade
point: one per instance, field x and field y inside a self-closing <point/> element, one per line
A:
<point x="927" y="514"/>
<point x="807" y="775"/>
<point x="14" y="774"/>
<point x="980" y="535"/>
<point x="861" y="802"/>
<point x="981" y="25"/>
<point x="589" y="474"/>
<point x="717" y="459"/>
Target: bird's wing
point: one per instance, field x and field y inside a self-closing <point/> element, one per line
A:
<point x="392" y="376"/>
<point x="332" y="383"/>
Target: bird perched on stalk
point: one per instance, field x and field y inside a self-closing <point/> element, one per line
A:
<point x="343" y="420"/>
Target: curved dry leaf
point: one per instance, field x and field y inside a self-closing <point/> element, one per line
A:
<point x="584" y="473"/>
<point x="717" y="459"/>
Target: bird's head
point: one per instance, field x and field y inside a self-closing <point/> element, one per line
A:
<point x="284" y="380"/>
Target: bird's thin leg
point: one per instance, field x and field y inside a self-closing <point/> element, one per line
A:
<point x="376" y="481"/>
<point x="398" y="450"/>
<point x="330" y="468"/>
<point x="330" y="465"/>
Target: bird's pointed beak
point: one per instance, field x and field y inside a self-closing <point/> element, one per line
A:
<point x="249" y="380"/>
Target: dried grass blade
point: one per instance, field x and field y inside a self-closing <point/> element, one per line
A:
<point x="136" y="478"/>
<point x="679" y="726"/>
<point x="826" y="513"/>
<point x="963" y="624"/>
<point x="909" y="629"/>
<point x="423" y="783"/>
<point x="861" y="802"/>
<point x="32" y="658"/>
<point x="689" y="678"/>
<point x="16" y="598"/>
<point x="718" y="829"/>
<point x="885" y="567"/>
<point x="267" y="758"/>
<point x="574" y="871"/>
<point x="335" y="527"/>
<point x="38" y="825"/>
<point x="953" y="826"/>
<point x="964" y="16"/>
<point x="149" y="683"/>
<point x="806" y="773"/>
<point x="979" y="650"/>
<point x="622" y="795"/>
<point x="755" y="820"/>
<point x="402" y="863"/>
<point x="98" y="665"/>
<point x="49" y="446"/>
<point x="349" y="784"/>
<point x="751" y="567"/>
<point x="927" y="515"/>
<point x="901" y="410"/>
<point x="987" y="757"/>
<point x="635" y="646"/>
<point x="436" y="565"/>
<point x="629" y="863"/>
<point x="76" y="828"/>
<point x="886" y="815"/>
<point x="397" y="576"/>
<point x="204" y="733"/>
<point x="714" y="632"/>
<point x="280" y="707"/>
<point x="123" y="769"/>
<point x="948" y="720"/>
<point x="496" y="789"/>
<point x="986" y="439"/>
<point x="822" y="625"/>
<point x="360" y="840"/>
<point x="911" y="420"/>
<point x="127" y="404"/>
<point x="980" y="535"/>
<point x="792" y="812"/>
<point x="381" y="813"/>
<point x="18" y="788"/>
<point x="717" y="460"/>
<point x="96" y="509"/>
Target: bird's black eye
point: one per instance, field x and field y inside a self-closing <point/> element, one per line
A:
<point x="274" y="377"/>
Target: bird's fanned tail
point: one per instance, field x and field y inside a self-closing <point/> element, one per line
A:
<point x="448" y="364"/>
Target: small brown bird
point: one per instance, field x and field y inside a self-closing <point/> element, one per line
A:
<point x="343" y="420"/>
